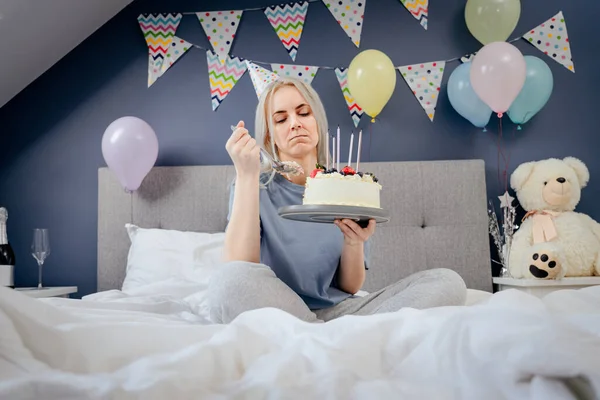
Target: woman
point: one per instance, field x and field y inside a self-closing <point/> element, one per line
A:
<point x="309" y="270"/>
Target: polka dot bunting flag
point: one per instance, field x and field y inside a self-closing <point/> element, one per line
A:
<point x="220" y="28"/>
<point x="304" y="72"/>
<point x="551" y="38"/>
<point x="260" y="77"/>
<point x="425" y="80"/>
<point x="349" y="14"/>
<point x="176" y="49"/>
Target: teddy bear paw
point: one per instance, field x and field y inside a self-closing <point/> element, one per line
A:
<point x="544" y="265"/>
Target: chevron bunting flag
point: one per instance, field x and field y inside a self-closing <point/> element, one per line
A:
<point x="303" y="72"/>
<point x="220" y="28"/>
<point x="159" y="30"/>
<point x="418" y="9"/>
<point x="425" y="80"/>
<point x="355" y="111"/>
<point x="223" y="77"/>
<point x="288" y="22"/>
<point x="551" y="37"/>
<point x="176" y="49"/>
<point x="261" y="77"/>
<point x="349" y="14"/>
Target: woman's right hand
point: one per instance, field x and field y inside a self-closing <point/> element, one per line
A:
<point x="244" y="152"/>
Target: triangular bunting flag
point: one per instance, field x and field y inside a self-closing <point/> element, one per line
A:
<point x="223" y="77"/>
<point x="260" y="77"/>
<point x="349" y="14"/>
<point x="288" y="22"/>
<point x="467" y="58"/>
<point x="425" y="80"/>
<point x="159" y="30"/>
<point x="177" y="48"/>
<point x="355" y="111"/>
<point x="551" y="37"/>
<point x="304" y="72"/>
<point x="220" y="28"/>
<point x="418" y="8"/>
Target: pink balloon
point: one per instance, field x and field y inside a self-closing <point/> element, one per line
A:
<point x="498" y="74"/>
<point x="130" y="149"/>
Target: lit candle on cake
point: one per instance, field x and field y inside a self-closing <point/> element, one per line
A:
<point x="337" y="165"/>
<point x="358" y="149"/>
<point x="350" y="151"/>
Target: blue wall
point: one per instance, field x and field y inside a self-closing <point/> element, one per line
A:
<point x="50" y="133"/>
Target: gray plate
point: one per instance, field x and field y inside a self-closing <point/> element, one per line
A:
<point x="328" y="213"/>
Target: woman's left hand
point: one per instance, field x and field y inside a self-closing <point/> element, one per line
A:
<point x="354" y="234"/>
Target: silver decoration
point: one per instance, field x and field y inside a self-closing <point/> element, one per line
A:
<point x="502" y="236"/>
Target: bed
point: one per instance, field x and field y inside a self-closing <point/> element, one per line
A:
<point x="437" y="202"/>
<point x="146" y="333"/>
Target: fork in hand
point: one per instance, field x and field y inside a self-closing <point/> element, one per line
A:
<point x="283" y="167"/>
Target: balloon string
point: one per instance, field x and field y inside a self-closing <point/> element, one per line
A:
<point x="498" y="161"/>
<point x="509" y="152"/>
<point x="503" y="182"/>
<point x="502" y="150"/>
<point x="131" y="207"/>
<point x="370" y="135"/>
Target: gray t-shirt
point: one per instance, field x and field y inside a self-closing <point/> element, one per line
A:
<point x="305" y="256"/>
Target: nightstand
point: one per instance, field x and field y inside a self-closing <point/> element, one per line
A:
<point x="55" y="291"/>
<point x="541" y="287"/>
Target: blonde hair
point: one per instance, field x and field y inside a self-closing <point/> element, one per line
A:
<point x="263" y="124"/>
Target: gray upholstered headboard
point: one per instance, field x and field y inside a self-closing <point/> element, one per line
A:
<point x="438" y="217"/>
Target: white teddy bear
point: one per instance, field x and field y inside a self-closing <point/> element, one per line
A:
<point x="553" y="241"/>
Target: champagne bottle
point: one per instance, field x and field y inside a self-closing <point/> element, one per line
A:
<point x="7" y="256"/>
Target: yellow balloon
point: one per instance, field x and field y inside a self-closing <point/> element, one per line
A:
<point x="371" y="81"/>
<point x="492" y="20"/>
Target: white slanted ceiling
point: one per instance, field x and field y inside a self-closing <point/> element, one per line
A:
<point x="35" y="34"/>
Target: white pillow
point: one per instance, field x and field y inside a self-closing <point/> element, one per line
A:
<point x="156" y="255"/>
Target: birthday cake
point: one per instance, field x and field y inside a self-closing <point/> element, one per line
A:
<point x="346" y="187"/>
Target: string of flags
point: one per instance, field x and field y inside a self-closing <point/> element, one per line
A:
<point x="355" y="111"/>
<point x="287" y="20"/>
<point x="418" y="9"/>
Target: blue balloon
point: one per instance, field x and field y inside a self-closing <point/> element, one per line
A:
<point x="535" y="93"/>
<point x="464" y="99"/>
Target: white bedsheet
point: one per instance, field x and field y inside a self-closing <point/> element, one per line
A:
<point x="157" y="344"/>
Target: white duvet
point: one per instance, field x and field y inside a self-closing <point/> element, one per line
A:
<point x="157" y="344"/>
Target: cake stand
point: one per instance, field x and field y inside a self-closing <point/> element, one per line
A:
<point x="326" y="214"/>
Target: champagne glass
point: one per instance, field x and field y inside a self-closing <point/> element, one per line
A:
<point x="40" y="250"/>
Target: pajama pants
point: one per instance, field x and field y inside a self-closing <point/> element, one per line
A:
<point x="241" y="286"/>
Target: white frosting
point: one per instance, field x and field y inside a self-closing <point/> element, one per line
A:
<point x="337" y="189"/>
<point x="292" y="167"/>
